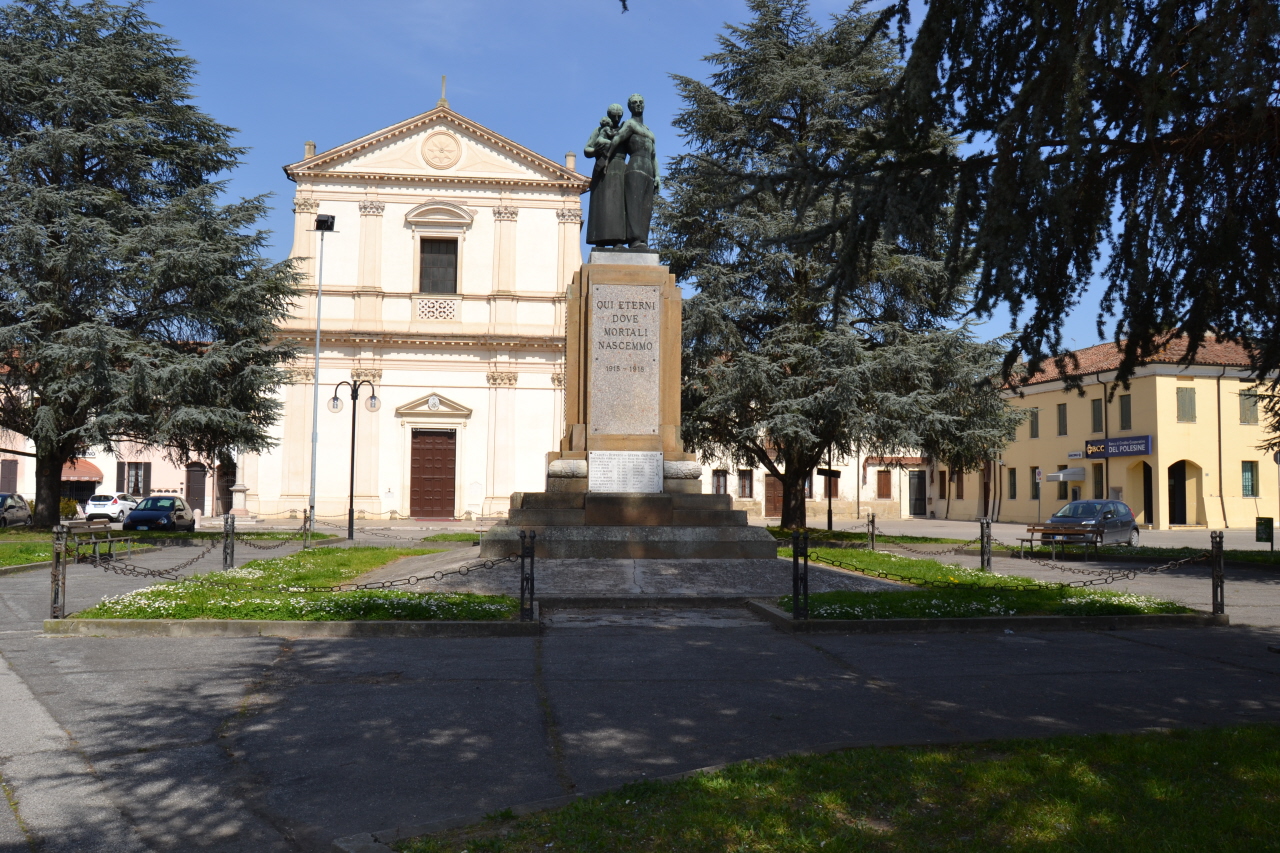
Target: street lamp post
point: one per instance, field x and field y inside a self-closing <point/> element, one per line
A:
<point x="324" y="225"/>
<point x="335" y="406"/>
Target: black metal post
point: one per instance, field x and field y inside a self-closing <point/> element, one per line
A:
<point x="804" y="580"/>
<point x="58" y="574"/>
<point x="795" y="575"/>
<point x="527" y="547"/>
<point x="1216" y="563"/>
<point x="829" y="489"/>
<point x="306" y="529"/>
<point x="351" y="479"/>
<point x="228" y="541"/>
<point x="984" y="548"/>
<point x="871" y="531"/>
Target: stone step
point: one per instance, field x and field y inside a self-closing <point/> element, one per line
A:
<point x="665" y="542"/>
<point x="542" y="517"/>
<point x="547" y="500"/>
<point x="709" y="518"/>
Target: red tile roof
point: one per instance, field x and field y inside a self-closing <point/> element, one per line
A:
<point x="1104" y="357"/>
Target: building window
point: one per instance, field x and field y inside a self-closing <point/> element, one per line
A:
<point x="438" y="270"/>
<point x="884" y="485"/>
<point x="808" y="487"/>
<point x="746" y="483"/>
<point x="1013" y="484"/>
<point x="1249" y="407"/>
<point x="1035" y="484"/>
<point x="1062" y="485"/>
<point x="8" y="476"/>
<point x="831" y="488"/>
<point x="942" y="483"/>
<point x="719" y="482"/>
<point x="1034" y="421"/>
<point x="959" y="485"/>
<point x="137" y="478"/>
<point x="1126" y="411"/>
<point x="1186" y="405"/>
<point x="1095" y="409"/>
<point x="1099" y="483"/>
<point x="1062" y="419"/>
<point x="1249" y="479"/>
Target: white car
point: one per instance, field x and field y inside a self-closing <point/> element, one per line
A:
<point x="114" y="506"/>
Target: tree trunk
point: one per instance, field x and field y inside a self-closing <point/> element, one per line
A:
<point x="793" y="503"/>
<point x="48" y="486"/>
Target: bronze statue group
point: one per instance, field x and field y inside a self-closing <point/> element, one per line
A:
<point x="623" y="180"/>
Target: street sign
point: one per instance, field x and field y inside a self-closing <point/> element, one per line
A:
<point x="1075" y="454"/>
<point x="1264" y="530"/>
<point x="1039" y="475"/>
<point x="828" y="472"/>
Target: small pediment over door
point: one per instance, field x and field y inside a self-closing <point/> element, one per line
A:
<point x="433" y="405"/>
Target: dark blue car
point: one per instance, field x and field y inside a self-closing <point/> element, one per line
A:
<point x="161" y="512"/>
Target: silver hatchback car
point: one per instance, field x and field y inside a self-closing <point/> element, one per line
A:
<point x="113" y="506"/>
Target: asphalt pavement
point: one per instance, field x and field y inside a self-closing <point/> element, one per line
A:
<point x="168" y="744"/>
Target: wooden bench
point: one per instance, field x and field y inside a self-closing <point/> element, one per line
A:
<point x="97" y="525"/>
<point x="1048" y="533"/>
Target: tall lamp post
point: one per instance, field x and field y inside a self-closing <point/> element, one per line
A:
<point x="324" y="225"/>
<point x="335" y="406"/>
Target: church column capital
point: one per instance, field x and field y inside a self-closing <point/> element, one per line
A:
<point x="305" y="205"/>
<point x="506" y="213"/>
<point x="501" y="379"/>
<point x="569" y="215"/>
<point x="372" y="208"/>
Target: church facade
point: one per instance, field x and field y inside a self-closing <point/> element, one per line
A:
<point x="443" y="284"/>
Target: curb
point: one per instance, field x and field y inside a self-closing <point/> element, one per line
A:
<point x="783" y="622"/>
<point x="244" y="628"/>
<point x="24" y="567"/>
<point x="612" y="602"/>
<point x="379" y="841"/>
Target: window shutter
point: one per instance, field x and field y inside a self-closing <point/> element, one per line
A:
<point x="1187" y="405"/>
<point x="121" y="469"/>
<point x="9" y="476"/>
<point x="146" y="479"/>
<point x="1248" y="407"/>
<point x="1126" y="411"/>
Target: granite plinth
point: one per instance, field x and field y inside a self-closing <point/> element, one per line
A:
<point x="598" y="525"/>
<point x="659" y="542"/>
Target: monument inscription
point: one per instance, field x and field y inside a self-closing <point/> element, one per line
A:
<point x="624" y="342"/>
<point x="624" y="471"/>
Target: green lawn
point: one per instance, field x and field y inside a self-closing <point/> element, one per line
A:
<point x="454" y="536"/>
<point x="965" y="592"/>
<point x="282" y="579"/>
<point x="19" y="553"/>
<point x="1174" y="792"/>
<point x="861" y="536"/>
<point x="19" y="546"/>
<point x="1161" y="554"/>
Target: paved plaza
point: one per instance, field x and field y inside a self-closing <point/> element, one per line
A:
<point x="160" y="744"/>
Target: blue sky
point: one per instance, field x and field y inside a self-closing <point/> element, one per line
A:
<point x="541" y="72"/>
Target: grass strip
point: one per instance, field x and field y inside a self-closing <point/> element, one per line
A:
<point x="265" y="589"/>
<point x="783" y="533"/>
<point x="969" y="592"/>
<point x="456" y="536"/>
<point x="1195" y="791"/>
<point x="1160" y="554"/>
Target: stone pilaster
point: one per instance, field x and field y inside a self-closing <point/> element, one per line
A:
<point x="304" y="237"/>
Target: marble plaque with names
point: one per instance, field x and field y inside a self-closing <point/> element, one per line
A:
<point x="624" y="337"/>
<point x="624" y="471"/>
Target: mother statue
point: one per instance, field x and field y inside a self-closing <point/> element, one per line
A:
<point x="607" y="216"/>
<point x="636" y="140"/>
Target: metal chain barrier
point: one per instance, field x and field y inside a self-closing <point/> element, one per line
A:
<point x="372" y="532"/>
<point x="120" y="567"/>
<point x="1123" y="574"/>
<point x="955" y="549"/>
<point x="296" y="536"/>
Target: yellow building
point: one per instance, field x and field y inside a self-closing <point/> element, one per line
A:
<point x="1179" y="445"/>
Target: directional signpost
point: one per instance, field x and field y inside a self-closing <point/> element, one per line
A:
<point x="1265" y="531"/>
<point x="830" y="474"/>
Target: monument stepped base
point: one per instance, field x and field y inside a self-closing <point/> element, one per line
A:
<point x="618" y="526"/>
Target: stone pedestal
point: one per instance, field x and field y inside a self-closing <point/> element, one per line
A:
<point x="622" y="485"/>
<point x="614" y="526"/>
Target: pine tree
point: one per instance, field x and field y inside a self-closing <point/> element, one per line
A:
<point x="1135" y="140"/>
<point x="133" y="305"/>
<point x="790" y="352"/>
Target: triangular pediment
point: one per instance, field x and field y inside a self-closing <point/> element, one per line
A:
<point x="442" y="407"/>
<point x="437" y="145"/>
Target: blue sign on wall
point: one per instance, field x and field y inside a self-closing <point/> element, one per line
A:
<point x="1132" y="445"/>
